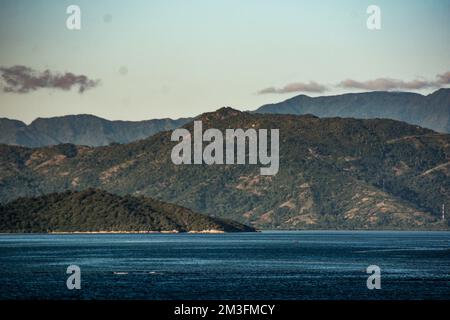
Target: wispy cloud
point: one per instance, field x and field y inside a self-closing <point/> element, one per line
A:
<point x="386" y="84"/>
<point x="444" y="78"/>
<point x="311" y="86"/>
<point x="380" y="84"/>
<point x="395" y="84"/>
<point x="22" y="79"/>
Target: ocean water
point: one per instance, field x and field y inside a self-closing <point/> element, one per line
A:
<point x="267" y="265"/>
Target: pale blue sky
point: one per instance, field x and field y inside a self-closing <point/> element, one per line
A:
<point x="187" y="57"/>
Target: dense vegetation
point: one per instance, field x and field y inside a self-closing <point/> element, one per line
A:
<point x="94" y="210"/>
<point x="334" y="173"/>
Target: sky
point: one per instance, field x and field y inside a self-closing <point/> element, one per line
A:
<point x="145" y="59"/>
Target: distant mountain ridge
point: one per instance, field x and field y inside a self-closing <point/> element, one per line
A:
<point x="431" y="111"/>
<point x="81" y="129"/>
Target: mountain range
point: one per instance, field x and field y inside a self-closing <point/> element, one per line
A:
<point x="338" y="173"/>
<point x="431" y="111"/>
<point x="81" y="129"/>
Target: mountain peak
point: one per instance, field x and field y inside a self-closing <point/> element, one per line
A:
<point x="220" y="114"/>
<point x="228" y="111"/>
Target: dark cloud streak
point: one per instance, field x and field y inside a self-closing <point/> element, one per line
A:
<point x="22" y="79"/>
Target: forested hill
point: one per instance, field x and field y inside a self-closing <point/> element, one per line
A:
<point x="95" y="210"/>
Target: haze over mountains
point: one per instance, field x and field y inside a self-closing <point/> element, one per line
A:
<point x="334" y="173"/>
<point x="81" y="130"/>
<point x="431" y="111"/>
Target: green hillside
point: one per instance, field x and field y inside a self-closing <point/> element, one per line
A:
<point x="334" y="173"/>
<point x="95" y="210"/>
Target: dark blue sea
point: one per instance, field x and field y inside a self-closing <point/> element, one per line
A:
<point x="266" y="265"/>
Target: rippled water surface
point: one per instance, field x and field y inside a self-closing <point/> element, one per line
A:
<point x="266" y="265"/>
